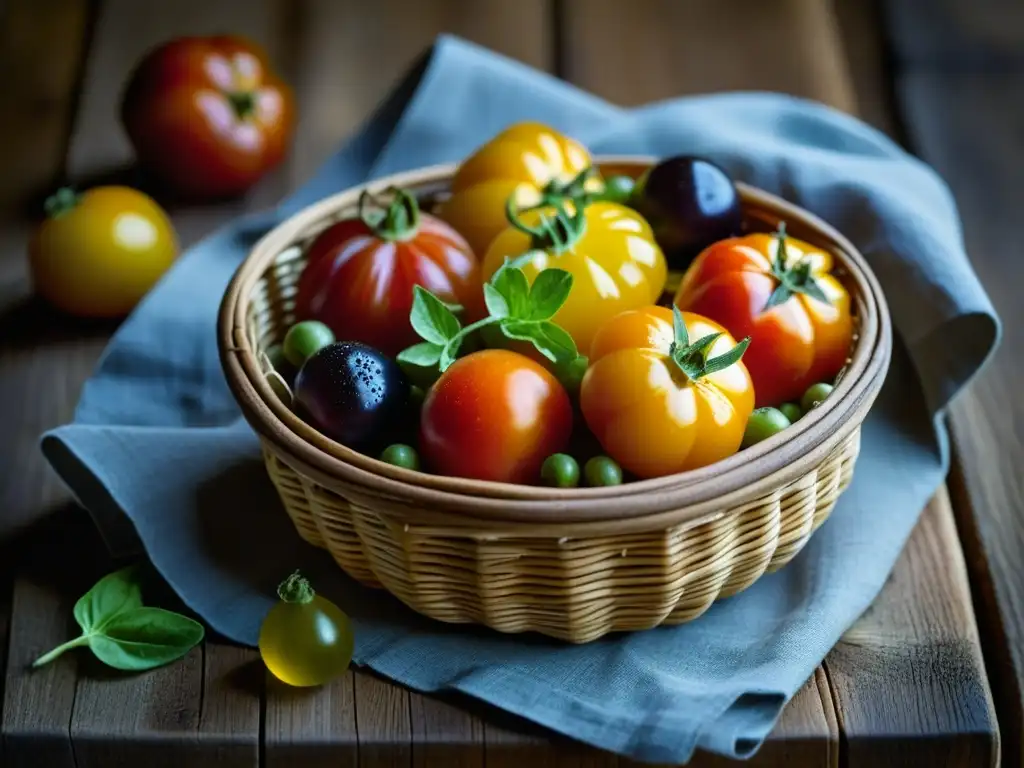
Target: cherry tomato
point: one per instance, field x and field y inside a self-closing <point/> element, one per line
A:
<point x="602" y="470"/>
<point x="762" y="424"/>
<point x="98" y="253"/>
<point x="208" y="116"/>
<point x="494" y="415"/>
<point x="796" y="313"/>
<point x="609" y="250"/>
<point x="401" y="455"/>
<point x="360" y="272"/>
<point x="814" y="395"/>
<point x="304" y="339"/>
<point x="527" y="160"/>
<point x="305" y="639"/>
<point x="791" y="411"/>
<point x="560" y="470"/>
<point x="655" y="397"/>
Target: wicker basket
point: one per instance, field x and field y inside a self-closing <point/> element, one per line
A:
<point x="568" y="563"/>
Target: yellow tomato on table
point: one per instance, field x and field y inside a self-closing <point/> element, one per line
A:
<point x="99" y="252"/>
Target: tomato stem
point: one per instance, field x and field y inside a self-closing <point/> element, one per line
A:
<point x="243" y="102"/>
<point x="792" y="280"/>
<point x="296" y="589"/>
<point x="556" y="234"/>
<point x="555" y="192"/>
<point x="61" y="201"/>
<point x="692" y="358"/>
<point x="400" y="220"/>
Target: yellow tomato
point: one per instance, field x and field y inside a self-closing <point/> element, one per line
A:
<point x="664" y="393"/>
<point x="529" y="160"/>
<point x="98" y="253"/>
<point x="609" y="250"/>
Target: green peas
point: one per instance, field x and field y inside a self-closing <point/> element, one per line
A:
<point x="305" y="339"/>
<point x="617" y="189"/>
<point x="560" y="470"/>
<point x="401" y="455"/>
<point x="791" y="411"/>
<point x="814" y="395"/>
<point x="601" y="470"/>
<point x="762" y="424"/>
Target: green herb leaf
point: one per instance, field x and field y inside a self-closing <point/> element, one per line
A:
<point x="430" y="318"/>
<point x="143" y="638"/>
<point x="549" y="291"/>
<point x="425" y="354"/>
<point x="512" y="284"/>
<point x="549" y="339"/>
<point x="116" y="592"/>
<point x="726" y="359"/>
<point x="497" y="305"/>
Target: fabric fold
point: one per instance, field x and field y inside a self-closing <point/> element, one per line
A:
<point x="159" y="453"/>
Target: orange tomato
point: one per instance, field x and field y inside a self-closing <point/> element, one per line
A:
<point x="655" y="397"/>
<point x="98" y="253"/>
<point x="529" y="160"/>
<point x="802" y="339"/>
<point x="494" y="415"/>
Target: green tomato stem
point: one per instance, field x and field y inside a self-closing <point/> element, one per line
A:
<point x="61" y="201"/>
<point x="49" y="656"/>
<point x="243" y="102"/>
<point x="400" y="220"/>
<point x="296" y="589"/>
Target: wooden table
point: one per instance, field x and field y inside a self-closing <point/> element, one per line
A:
<point x="906" y="686"/>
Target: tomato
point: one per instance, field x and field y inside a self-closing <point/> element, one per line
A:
<point x="305" y="639"/>
<point x="609" y="250"/>
<point x="98" y="253"/>
<point x="360" y="272"/>
<point x="208" y="116"/>
<point x="529" y="160"/>
<point x="661" y="400"/>
<point x="494" y="415"/>
<point x="801" y="336"/>
<point x="763" y="423"/>
<point x="560" y="470"/>
<point x="305" y="339"/>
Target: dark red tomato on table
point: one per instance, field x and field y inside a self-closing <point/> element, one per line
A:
<point x="360" y="272"/>
<point x="494" y="415"/>
<point x="208" y="116"/>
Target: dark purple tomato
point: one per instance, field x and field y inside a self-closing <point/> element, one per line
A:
<point x="690" y="203"/>
<point x="354" y="394"/>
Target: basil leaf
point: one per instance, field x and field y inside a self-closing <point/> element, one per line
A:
<point x="512" y="284"/>
<point x="143" y="638"/>
<point x="550" y="290"/>
<point x="497" y="306"/>
<point x="116" y="592"/>
<point x="430" y="318"/>
<point x="424" y="354"/>
<point x="549" y="339"/>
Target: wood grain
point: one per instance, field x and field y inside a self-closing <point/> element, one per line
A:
<point x="443" y="734"/>
<point x="315" y="728"/>
<point x="959" y="76"/>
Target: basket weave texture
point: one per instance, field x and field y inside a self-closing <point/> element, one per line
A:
<point x="571" y="564"/>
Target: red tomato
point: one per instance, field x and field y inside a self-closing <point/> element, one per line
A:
<point x="798" y="341"/>
<point x="360" y="273"/>
<point x="207" y="115"/>
<point x="494" y="415"/>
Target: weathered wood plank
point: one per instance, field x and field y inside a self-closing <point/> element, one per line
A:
<point x="315" y="728"/>
<point x="383" y="723"/>
<point x="443" y="734"/>
<point x="960" y="70"/>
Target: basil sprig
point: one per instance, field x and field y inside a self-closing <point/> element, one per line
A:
<point x="521" y="311"/>
<point x="122" y="632"/>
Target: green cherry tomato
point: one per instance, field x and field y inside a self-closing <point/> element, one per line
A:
<point x="305" y="639"/>
<point x="791" y="411"/>
<point x="617" y="189"/>
<point x="814" y="395"/>
<point x="762" y="424"/>
<point x="560" y="470"/>
<point x="602" y="470"/>
<point x="305" y="338"/>
<point x="401" y="455"/>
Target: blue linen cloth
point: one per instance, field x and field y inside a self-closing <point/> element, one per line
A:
<point x="159" y="454"/>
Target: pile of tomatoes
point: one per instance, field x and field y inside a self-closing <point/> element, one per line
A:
<point x="523" y="329"/>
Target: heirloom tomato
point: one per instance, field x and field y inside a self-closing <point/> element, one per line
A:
<point x="528" y="162"/>
<point x="207" y="115"/>
<point x="609" y="250"/>
<point x="360" y="272"/>
<point x="779" y="291"/>
<point x="666" y="391"/>
<point x="99" y="252"/>
<point x="494" y="415"/>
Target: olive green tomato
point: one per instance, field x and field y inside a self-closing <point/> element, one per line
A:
<point x="814" y="395"/>
<point x="791" y="411"/>
<point x="617" y="189"/>
<point x="560" y="470"/>
<point x="304" y="339"/>
<point x="401" y="455"/>
<point x="762" y="424"/>
<point x="305" y="639"/>
<point x="602" y="470"/>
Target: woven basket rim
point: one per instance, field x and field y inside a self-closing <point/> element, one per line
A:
<point x="682" y="497"/>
